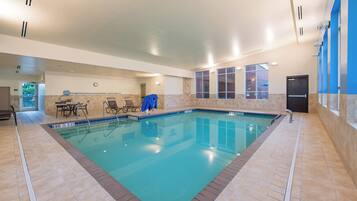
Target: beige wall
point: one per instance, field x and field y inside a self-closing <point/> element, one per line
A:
<point x="295" y="59"/>
<point x="154" y="85"/>
<point x="342" y="133"/>
<point x="173" y="85"/>
<point x="82" y="83"/>
<point x="170" y="90"/>
<point x="163" y="85"/>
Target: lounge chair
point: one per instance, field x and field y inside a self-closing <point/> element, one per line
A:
<point x="112" y="106"/>
<point x="6" y="109"/>
<point x="129" y="105"/>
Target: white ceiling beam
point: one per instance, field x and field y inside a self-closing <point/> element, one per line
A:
<point x="32" y="48"/>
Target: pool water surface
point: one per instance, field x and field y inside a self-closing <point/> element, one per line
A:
<point x="170" y="157"/>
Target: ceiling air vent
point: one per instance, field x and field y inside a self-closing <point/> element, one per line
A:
<point x="24" y="29"/>
<point x="300" y="12"/>
<point x="301" y="31"/>
<point x="28" y="2"/>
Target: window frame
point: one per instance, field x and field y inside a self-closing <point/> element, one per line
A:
<point x="226" y="92"/>
<point x="334" y="101"/>
<point x="203" y="92"/>
<point x="256" y="82"/>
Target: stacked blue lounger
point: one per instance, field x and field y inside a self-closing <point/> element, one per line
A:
<point x="149" y="103"/>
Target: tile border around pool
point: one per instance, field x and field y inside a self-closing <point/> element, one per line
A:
<point x="119" y="192"/>
<point x="114" y="188"/>
<point x="219" y="183"/>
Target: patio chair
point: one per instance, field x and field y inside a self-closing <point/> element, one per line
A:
<point x="129" y="105"/>
<point x="112" y="106"/>
<point x="6" y="109"/>
<point x="60" y="107"/>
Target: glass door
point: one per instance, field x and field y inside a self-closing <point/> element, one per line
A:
<point x="29" y="96"/>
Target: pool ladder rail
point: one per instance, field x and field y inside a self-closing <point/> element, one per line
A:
<point x="85" y="115"/>
<point x="290" y="115"/>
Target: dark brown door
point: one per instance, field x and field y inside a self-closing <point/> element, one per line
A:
<point x="142" y="91"/>
<point x="297" y="93"/>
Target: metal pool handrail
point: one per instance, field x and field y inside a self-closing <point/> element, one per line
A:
<point x="275" y="118"/>
<point x="290" y="114"/>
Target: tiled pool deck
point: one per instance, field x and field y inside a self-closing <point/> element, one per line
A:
<point x="56" y="175"/>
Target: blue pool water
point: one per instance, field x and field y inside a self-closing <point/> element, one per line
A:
<point x="171" y="157"/>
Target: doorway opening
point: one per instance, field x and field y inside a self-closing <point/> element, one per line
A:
<point x="142" y="91"/>
<point x="297" y="93"/>
<point x="29" y="96"/>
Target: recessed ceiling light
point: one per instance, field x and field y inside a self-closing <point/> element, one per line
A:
<point x="235" y="47"/>
<point x="269" y="35"/>
<point x="154" y="51"/>
<point x="274" y="63"/>
<point x="210" y="60"/>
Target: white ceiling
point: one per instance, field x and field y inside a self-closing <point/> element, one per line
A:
<point x="180" y="33"/>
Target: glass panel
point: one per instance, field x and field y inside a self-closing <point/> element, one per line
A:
<point x="262" y="95"/>
<point x="261" y="67"/>
<point x="250" y="81"/>
<point x="198" y="95"/>
<point x="231" y="95"/>
<point x="205" y="73"/>
<point x="221" y="83"/>
<point x="250" y="95"/>
<point x="206" y="84"/>
<point x="231" y="70"/>
<point x="250" y="68"/>
<point x="262" y="80"/>
<point x="221" y="71"/>
<point x="221" y="95"/>
<point x="29" y="96"/>
<point x="206" y="95"/>
<point x="230" y="82"/>
<point x="198" y="84"/>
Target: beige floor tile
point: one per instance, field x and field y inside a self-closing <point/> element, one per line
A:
<point x="319" y="173"/>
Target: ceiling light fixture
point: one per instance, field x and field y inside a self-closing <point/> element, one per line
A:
<point x="274" y="63"/>
<point x="210" y="60"/>
<point x="235" y="47"/>
<point x="269" y="35"/>
<point x="154" y="51"/>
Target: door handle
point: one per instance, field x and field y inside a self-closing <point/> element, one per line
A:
<point x="297" y="96"/>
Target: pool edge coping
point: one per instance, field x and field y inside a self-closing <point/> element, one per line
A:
<point x="210" y="192"/>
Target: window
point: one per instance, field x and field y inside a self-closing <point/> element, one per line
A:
<point x="226" y="83"/>
<point x="335" y="52"/>
<point x="202" y="84"/>
<point x="349" y="83"/>
<point x="256" y="81"/>
<point x="320" y="76"/>
<point x="325" y="68"/>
